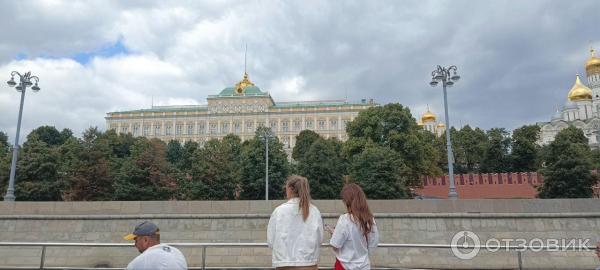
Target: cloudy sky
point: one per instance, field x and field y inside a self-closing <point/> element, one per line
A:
<point x="517" y="59"/>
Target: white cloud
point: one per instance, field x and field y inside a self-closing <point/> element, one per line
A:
<point x="297" y="50"/>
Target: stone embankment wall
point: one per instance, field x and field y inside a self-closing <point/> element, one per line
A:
<point x="399" y="221"/>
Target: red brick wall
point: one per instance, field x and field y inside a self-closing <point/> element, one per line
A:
<point x="486" y="186"/>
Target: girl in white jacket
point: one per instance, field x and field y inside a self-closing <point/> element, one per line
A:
<point x="295" y="229"/>
<point x="355" y="235"/>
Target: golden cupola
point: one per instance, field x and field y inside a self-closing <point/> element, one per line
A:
<point x="592" y="66"/>
<point x="579" y="91"/>
<point x="240" y="86"/>
<point x="428" y="116"/>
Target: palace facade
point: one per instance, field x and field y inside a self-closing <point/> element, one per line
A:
<point x="239" y="110"/>
<point x="582" y="107"/>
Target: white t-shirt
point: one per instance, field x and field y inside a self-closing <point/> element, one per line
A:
<point x="159" y="257"/>
<point x="294" y="242"/>
<point x="353" y="249"/>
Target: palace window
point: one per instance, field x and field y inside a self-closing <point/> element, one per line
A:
<point x="308" y="124"/>
<point x="190" y="129"/>
<point x="213" y="128"/>
<point x="321" y="124"/>
<point x="225" y="128"/>
<point x="178" y="129"/>
<point x="146" y="130"/>
<point x="285" y="126"/>
<point x="333" y="124"/>
<point x="169" y="130"/>
<point x="124" y="129"/>
<point x="273" y="126"/>
<point x="201" y="128"/>
<point x="136" y="129"/>
<point x="249" y="127"/>
<point x="157" y="129"/>
<point x="237" y="127"/>
<point x="113" y="127"/>
<point x="297" y="125"/>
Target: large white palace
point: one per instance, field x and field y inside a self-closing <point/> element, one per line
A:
<point x="582" y="108"/>
<point x="239" y="110"/>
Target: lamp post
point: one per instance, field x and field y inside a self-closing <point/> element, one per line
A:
<point x="266" y="136"/>
<point x="24" y="82"/>
<point x="443" y="75"/>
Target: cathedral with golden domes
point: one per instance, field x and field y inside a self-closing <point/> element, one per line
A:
<point x="582" y="108"/>
<point x="428" y="122"/>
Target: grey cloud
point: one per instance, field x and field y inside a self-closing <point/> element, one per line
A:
<point x="517" y="58"/>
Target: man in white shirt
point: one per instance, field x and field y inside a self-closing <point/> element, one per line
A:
<point x="155" y="256"/>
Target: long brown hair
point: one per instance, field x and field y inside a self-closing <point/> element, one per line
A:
<point x="299" y="187"/>
<point x="356" y="202"/>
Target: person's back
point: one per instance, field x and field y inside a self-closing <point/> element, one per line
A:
<point x="295" y="230"/>
<point x="159" y="257"/>
<point x="353" y="247"/>
<point x="154" y="255"/>
<point x="356" y="234"/>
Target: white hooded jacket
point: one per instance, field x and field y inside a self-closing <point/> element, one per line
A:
<point x="295" y="242"/>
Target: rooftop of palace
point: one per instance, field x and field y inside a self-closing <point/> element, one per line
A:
<point x="278" y="105"/>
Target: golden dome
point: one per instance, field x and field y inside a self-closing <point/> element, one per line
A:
<point x="428" y="116"/>
<point x="441" y="125"/>
<point x="592" y="66"/>
<point x="579" y="91"/>
<point x="239" y="87"/>
<point x="420" y="123"/>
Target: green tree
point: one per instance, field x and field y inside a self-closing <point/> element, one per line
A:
<point x="381" y="173"/>
<point x="174" y="152"/>
<point x="37" y="177"/>
<point x="394" y="127"/>
<point x="50" y="135"/>
<point x="303" y="142"/>
<point x="524" y="154"/>
<point x="87" y="167"/>
<point x="567" y="172"/>
<point x="4" y="162"/>
<point x="146" y="174"/>
<point x="4" y="145"/>
<point x="324" y="169"/>
<point x="120" y="144"/>
<point x="253" y="167"/>
<point x="594" y="158"/>
<point x="496" y="158"/>
<point x="469" y="147"/>
<point x="217" y="173"/>
<point x="188" y="156"/>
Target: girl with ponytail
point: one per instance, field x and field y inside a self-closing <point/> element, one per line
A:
<point x="355" y="234"/>
<point x="295" y="229"/>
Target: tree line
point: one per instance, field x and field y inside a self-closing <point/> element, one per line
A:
<point x="387" y="153"/>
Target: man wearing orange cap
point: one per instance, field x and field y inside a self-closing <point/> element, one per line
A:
<point x="155" y="256"/>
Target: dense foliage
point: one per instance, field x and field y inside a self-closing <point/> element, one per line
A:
<point x="387" y="153"/>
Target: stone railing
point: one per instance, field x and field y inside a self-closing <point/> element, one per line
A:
<point x="399" y="221"/>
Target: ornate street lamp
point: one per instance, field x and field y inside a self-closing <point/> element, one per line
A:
<point x="443" y="75"/>
<point x="266" y="136"/>
<point x="25" y="81"/>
